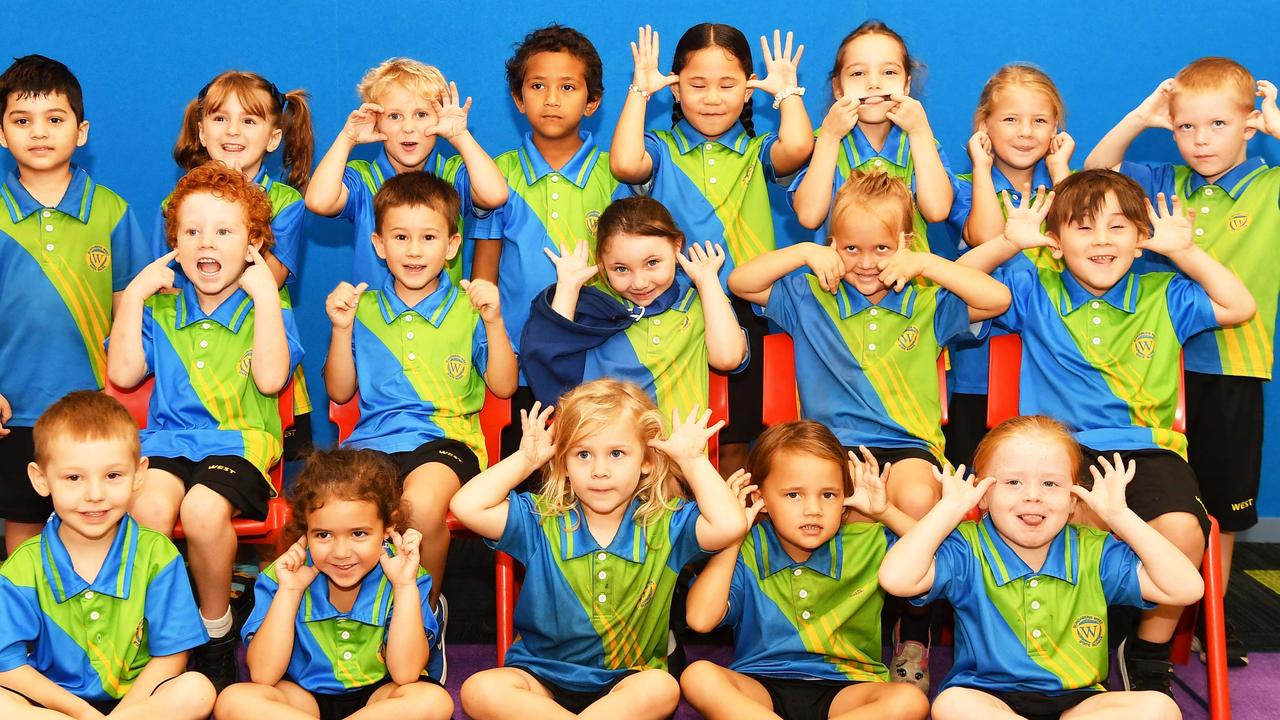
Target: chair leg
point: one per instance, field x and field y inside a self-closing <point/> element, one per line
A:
<point x="1215" y="636"/>
<point x="504" y="601"/>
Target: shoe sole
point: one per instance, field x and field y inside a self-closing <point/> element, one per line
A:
<point x="443" y="606"/>
<point x="1124" y="668"/>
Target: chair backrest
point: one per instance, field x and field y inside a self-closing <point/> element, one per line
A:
<point x="495" y="416"/>
<point x="718" y="399"/>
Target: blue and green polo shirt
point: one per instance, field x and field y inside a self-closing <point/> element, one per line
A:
<point x="812" y="620"/>
<point x="1024" y="630"/>
<point x="335" y="652"/>
<point x="205" y="401"/>
<point x="1237" y="223"/>
<point x="420" y="369"/>
<point x="363" y="179"/>
<point x="59" y="266"/>
<point x="93" y="638"/>
<point x="1106" y="366"/>
<point x="587" y="614"/>
<point x="715" y="189"/>
<point x="870" y="370"/>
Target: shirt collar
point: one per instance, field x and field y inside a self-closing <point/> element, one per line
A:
<point x="1039" y="177"/>
<point x="262" y="179"/>
<point x="382" y="169"/>
<point x="372" y="605"/>
<point x="576" y="171"/>
<point x="432" y="308"/>
<point x="576" y="539"/>
<point x="772" y="558"/>
<point x="687" y="138"/>
<point x="231" y="314"/>
<point x="75" y="202"/>
<point x="1234" y="181"/>
<point x="858" y="150"/>
<point x="852" y="302"/>
<point x="1062" y="561"/>
<point x="1122" y="296"/>
<point x="113" y="579"/>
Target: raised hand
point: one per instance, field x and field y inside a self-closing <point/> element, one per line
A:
<point x="293" y="574"/>
<point x="1154" y="111"/>
<point x="903" y="266"/>
<point x="535" y="440"/>
<point x="155" y="277"/>
<point x="644" y="53"/>
<point x="450" y="115"/>
<point x="703" y="264"/>
<point x="484" y="298"/>
<point x="688" y="438"/>
<point x="869" y="481"/>
<point x="959" y="491"/>
<point x="841" y="117"/>
<point x="980" y="152"/>
<point x="1268" y="118"/>
<point x="1023" y="221"/>
<point x="748" y="494"/>
<point x="1107" y="498"/>
<point x="779" y="64"/>
<point x="908" y="114"/>
<point x="573" y="269"/>
<point x="826" y="264"/>
<point x="341" y="304"/>
<point x="1061" y="147"/>
<point x="1171" y="227"/>
<point x="362" y="124"/>
<point x="257" y="279"/>
<point x="402" y="569"/>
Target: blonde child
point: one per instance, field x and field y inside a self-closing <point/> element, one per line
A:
<point x="602" y="546"/>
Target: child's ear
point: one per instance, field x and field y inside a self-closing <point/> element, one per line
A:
<point x="1055" y="247"/>
<point x="592" y="106"/>
<point x="1250" y="128"/>
<point x="140" y="474"/>
<point x="379" y="245"/>
<point x="455" y="244"/>
<point x="38" y="480"/>
<point x="82" y="133"/>
<point x="273" y="142"/>
<point x="750" y="90"/>
<point x="518" y="99"/>
<point x="836" y="91"/>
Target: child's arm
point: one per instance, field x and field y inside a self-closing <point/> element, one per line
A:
<point x="157" y="670"/>
<point x="726" y="344"/>
<point x="484" y="264"/>
<point x="986" y="218"/>
<point x="326" y="193"/>
<point x="271" y="361"/>
<point x="488" y="186"/>
<point x="812" y="197"/>
<point x="754" y="281"/>
<point x="1058" y="161"/>
<point x="1232" y="302"/>
<point x="1166" y="576"/>
<point x="708" y="599"/>
<point x="481" y="504"/>
<point x="1021" y="232"/>
<point x="407" y="645"/>
<point x="907" y="569"/>
<point x="870" y="498"/>
<point x="721" y="521"/>
<point x="795" y="131"/>
<point x="933" y="185"/>
<point x="628" y="160"/>
<point x="573" y="271"/>
<point x="126" y="358"/>
<point x="1267" y="119"/>
<point x="28" y="681"/>
<point x="1152" y="113"/>
<point x="985" y="296"/>
<point x="501" y="373"/>
<point x="340" y="378"/>
<point x="272" y="646"/>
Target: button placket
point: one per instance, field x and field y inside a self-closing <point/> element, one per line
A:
<point x="601" y="584"/>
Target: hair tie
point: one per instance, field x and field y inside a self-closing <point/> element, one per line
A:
<point x="203" y="91"/>
<point x="280" y="99"/>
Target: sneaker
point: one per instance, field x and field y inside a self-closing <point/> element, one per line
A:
<point x="1237" y="653"/>
<point x="1139" y="673"/>
<point x="216" y="660"/>
<point x="437" y="664"/>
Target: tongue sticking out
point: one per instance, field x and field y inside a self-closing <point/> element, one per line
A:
<point x="1032" y="520"/>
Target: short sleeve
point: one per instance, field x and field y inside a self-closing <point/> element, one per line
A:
<point x="1022" y="282"/>
<point x="523" y="533"/>
<point x="480" y="347"/>
<point x="785" y="298"/>
<point x="293" y="338"/>
<point x="961" y="206"/>
<point x="130" y="251"/>
<point x="942" y="155"/>
<point x="489" y="226"/>
<point x="737" y="594"/>
<point x="950" y="317"/>
<point x="657" y="150"/>
<point x="1189" y="307"/>
<point x="461" y="181"/>
<point x="766" y="158"/>
<point x="1153" y="177"/>
<point x="953" y="566"/>
<point x="19" y="622"/>
<point x="287" y="228"/>
<point x="264" y="591"/>
<point x="683" y="531"/>
<point x="358" y="197"/>
<point x="148" y="337"/>
<point x="1118" y="571"/>
<point x="796" y="179"/>
<point x="173" y="622"/>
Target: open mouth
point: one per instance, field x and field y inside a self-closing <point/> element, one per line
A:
<point x="342" y="569"/>
<point x="94" y="516"/>
<point x="1102" y="259"/>
<point x="408" y="146"/>
<point x="232" y="148"/>
<point x="208" y="266"/>
<point x="640" y="298"/>
<point x="874" y="99"/>
<point x="1031" y="519"/>
<point x="811" y="529"/>
<point x="414" y="269"/>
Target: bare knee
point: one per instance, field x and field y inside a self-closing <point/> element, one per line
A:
<point x="1157" y="706"/>
<point x="655" y="689"/>
<point x="191" y="694"/>
<point x="431" y="702"/>
<point x="483" y="692"/>
<point x="156" y="511"/>
<point x="912" y="487"/>
<point x="699" y="677"/>
<point x="903" y="701"/>
<point x="1182" y="529"/>
<point x="205" y="513"/>
<point x="428" y="490"/>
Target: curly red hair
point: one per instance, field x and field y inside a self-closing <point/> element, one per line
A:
<point x="226" y="184"/>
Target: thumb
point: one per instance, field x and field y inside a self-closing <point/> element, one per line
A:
<point x="465" y="285"/>
<point x="361" y="288"/>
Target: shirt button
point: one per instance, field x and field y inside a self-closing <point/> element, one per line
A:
<point x="657" y="321"/>
<point x="412" y="356"/>
<point x="88" y="595"/>
<point x="1204" y="209"/>
<point x="804" y="593"/>
<point x="711" y="161"/>
<point x="555" y="178"/>
<point x="346" y="655"/>
<point x="657" y="341"/>
<point x="48" y="228"/>
<point x="408" y="318"/>
<point x="408" y="336"/>
<point x="200" y="364"/>
<point x="603" y="575"/>
<point x="1208" y="191"/>
<point x="871" y="347"/>
<point x="346" y="635"/>
<point x="710" y="180"/>
<point x="94" y="615"/>
<point x="555" y="216"/>
<point x="1035" y="604"/>
<point x="1199" y="232"/>
<point x="98" y="637"/>
<point x="1097" y="341"/>
<point x="47" y="213"/>
<point x="878" y="162"/>
<point x="1095" y="305"/>
<point x="796" y="572"/>
<point x="805" y="615"/>
<point x="204" y="343"/>
<point x="601" y="556"/>
<point x="204" y="326"/>
<point x="709" y="146"/>
<point x="1097" y="321"/>
<point x="871" y="327"/>
<point x="601" y="597"/>
<point x="1035" y="633"/>
<point x="874" y="311"/>
<point x="555" y="196"/>
<point x="49" y="247"/>
<point x="1034" y="583"/>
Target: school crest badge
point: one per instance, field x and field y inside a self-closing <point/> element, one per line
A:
<point x="909" y="337"/>
<point x="1239" y="221"/>
<point x="593" y="221"/>
<point x="646" y="595"/>
<point x="1144" y="344"/>
<point x="455" y="366"/>
<point x="97" y="258"/>
<point x="245" y="364"/>
<point x="1089" y="630"/>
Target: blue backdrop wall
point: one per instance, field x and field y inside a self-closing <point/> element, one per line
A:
<point x="140" y="63"/>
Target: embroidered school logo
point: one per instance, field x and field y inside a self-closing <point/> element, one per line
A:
<point x="684" y="322"/>
<point x="1239" y="221"/>
<point x="1144" y="344"/>
<point x="246" y="363"/>
<point x="455" y="366"/>
<point x="1088" y="630"/>
<point x="593" y="222"/>
<point x="909" y="337"/>
<point x="746" y="177"/>
<point x="139" y="632"/>
<point x="97" y="258"/>
<point x="646" y="595"/>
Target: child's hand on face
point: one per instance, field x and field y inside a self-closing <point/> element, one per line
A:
<point x="402" y="569"/>
<point x="341" y="304"/>
<point x="257" y="280"/>
<point x="980" y="153"/>
<point x="1061" y="148"/>
<point x="293" y="574"/>
<point x="362" y="124"/>
<point x="903" y="266"/>
<point x="484" y="298"/>
<point x="908" y="114"/>
<point x="688" y="439"/>
<point x="748" y="494"/>
<point x="1154" y="111"/>
<point x="780" y="65"/>
<point x="841" y="118"/>
<point x="959" y="492"/>
<point x="535" y="442"/>
<point x="1023" y="221"/>
<point x="1107" y="498"/>
<point x="644" y="53"/>
<point x="869" y="481"/>
<point x="156" y="277"/>
<point x="703" y="264"/>
<point x="1268" y="118"/>
<point x="450" y="116"/>
<point x="573" y="269"/>
<point x="1172" y="228"/>
<point x="826" y="264"/>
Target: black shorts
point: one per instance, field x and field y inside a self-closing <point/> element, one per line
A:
<point x="342" y="705"/>
<point x="795" y="699"/>
<point x="1162" y="483"/>
<point x="897" y="454"/>
<point x="1041" y="706"/>
<point x="452" y="454"/>
<point x="746" y="388"/>
<point x="19" y="501"/>
<point x="965" y="428"/>
<point x="575" y="701"/>
<point x="231" y="476"/>
<point x="1224" y="436"/>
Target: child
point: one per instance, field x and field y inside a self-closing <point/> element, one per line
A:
<point x="220" y="350"/>
<point x="1209" y="106"/>
<point x="420" y="351"/>
<point x="601" y="547"/>
<point x="1100" y="347"/>
<point x="96" y="614"/>
<point x="867" y="337"/>
<point x="341" y="625"/>
<point x="406" y="105"/>
<point x="653" y="328"/>
<point x="1016" y="141"/>
<point x="1031" y="592"/>
<point x="801" y="596"/>
<point x="559" y="180"/>
<point x="711" y="169"/>
<point x="68" y="246"/>
<point x="874" y="126"/>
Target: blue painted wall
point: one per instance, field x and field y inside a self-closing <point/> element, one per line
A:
<point x="141" y="62"/>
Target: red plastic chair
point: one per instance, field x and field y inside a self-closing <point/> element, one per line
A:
<point x="718" y="399"/>
<point x="1002" y="403"/>
<point x="267" y="531"/>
